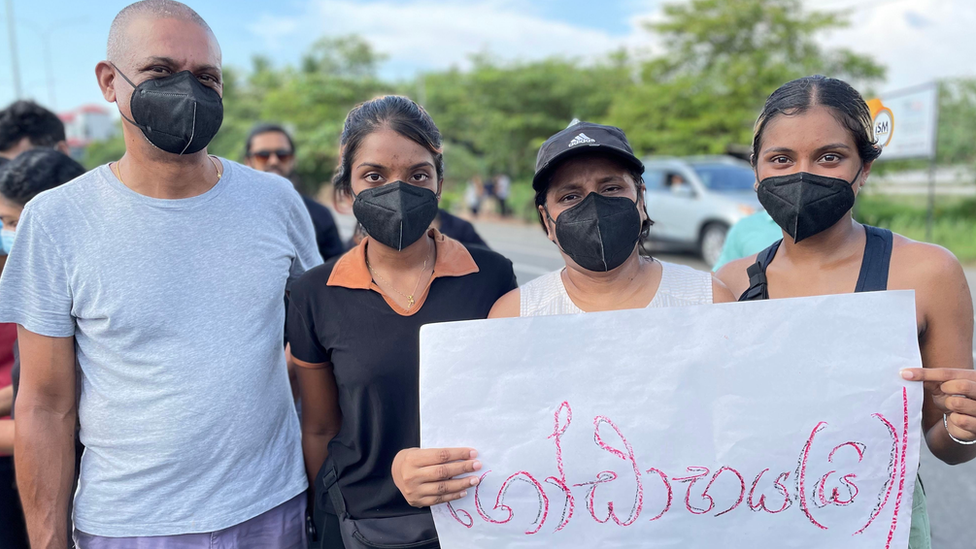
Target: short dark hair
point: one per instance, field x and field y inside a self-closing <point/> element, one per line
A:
<point x="395" y="112"/>
<point x="34" y="172"/>
<point x="266" y="128"/>
<point x="636" y="174"/>
<point x="848" y="107"/>
<point x="28" y="119"/>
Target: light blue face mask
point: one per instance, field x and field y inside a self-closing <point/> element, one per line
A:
<point x="7" y="239"/>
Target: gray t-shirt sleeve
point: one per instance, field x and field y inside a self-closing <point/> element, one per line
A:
<point x="302" y="234"/>
<point x="34" y="290"/>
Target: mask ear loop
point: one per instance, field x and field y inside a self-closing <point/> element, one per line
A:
<point x="545" y="208"/>
<point x="857" y="175"/>
<point x="641" y="194"/>
<point x="127" y="119"/>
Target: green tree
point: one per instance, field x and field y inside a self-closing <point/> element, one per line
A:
<point x="103" y="152"/>
<point x="957" y="121"/>
<point x="502" y="112"/>
<point x="720" y="60"/>
<point x="311" y="101"/>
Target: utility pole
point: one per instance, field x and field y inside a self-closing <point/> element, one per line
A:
<point x="14" y="64"/>
<point x="930" y="213"/>
<point x="45" y="34"/>
<point x="49" y="69"/>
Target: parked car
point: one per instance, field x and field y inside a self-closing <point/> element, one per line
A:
<point x="694" y="201"/>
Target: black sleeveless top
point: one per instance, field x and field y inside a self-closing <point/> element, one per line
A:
<point x="874" y="266"/>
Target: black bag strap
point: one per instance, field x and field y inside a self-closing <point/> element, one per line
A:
<point x="330" y="485"/>
<point x="877" y="258"/>
<point x="758" y="286"/>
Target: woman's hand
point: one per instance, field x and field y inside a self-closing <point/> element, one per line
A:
<point x="953" y="392"/>
<point x="425" y="477"/>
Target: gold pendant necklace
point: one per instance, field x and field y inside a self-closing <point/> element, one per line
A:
<point x="117" y="170"/>
<point x="409" y="298"/>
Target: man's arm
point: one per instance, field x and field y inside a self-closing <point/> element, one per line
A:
<point x="44" y="442"/>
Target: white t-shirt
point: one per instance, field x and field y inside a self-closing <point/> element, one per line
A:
<point x="680" y="286"/>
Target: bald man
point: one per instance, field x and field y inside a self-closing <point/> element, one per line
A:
<point x="163" y="277"/>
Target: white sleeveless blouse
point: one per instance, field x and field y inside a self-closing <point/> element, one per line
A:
<point x="680" y="286"/>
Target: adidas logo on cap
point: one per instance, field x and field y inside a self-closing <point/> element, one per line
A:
<point x="580" y="140"/>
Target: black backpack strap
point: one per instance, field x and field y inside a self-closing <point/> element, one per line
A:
<point x="758" y="287"/>
<point x="877" y="259"/>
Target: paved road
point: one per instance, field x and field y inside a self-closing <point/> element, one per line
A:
<point x="951" y="490"/>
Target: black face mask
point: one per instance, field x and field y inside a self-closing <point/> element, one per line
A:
<point x="805" y="204"/>
<point x="396" y="214"/>
<point x="600" y="232"/>
<point x="176" y="113"/>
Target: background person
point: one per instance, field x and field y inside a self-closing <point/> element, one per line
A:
<point x="503" y="187"/>
<point x="25" y="125"/>
<point x="31" y="173"/>
<point x="185" y="411"/>
<point x="11" y="514"/>
<point x="28" y="175"/>
<point x="354" y="323"/>
<point x="474" y="193"/>
<point x="813" y="150"/>
<point x="600" y="189"/>
<point x="749" y="236"/>
<point x="270" y="148"/>
<point x="675" y="182"/>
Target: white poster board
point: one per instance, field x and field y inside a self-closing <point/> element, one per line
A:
<point x="782" y="423"/>
<point x="906" y="122"/>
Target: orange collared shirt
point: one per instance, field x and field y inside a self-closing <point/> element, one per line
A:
<point x="452" y="259"/>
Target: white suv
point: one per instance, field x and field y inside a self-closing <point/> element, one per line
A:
<point x="693" y="201"/>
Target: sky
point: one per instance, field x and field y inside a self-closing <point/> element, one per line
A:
<point x="918" y="40"/>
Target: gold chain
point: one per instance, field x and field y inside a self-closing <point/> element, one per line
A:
<point x="409" y="298"/>
<point x="117" y="169"/>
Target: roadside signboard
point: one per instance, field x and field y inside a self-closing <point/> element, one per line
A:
<point x="906" y="122"/>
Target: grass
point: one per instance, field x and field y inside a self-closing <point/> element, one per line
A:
<point x="953" y="227"/>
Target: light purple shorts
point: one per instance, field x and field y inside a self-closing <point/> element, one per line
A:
<point x="280" y="528"/>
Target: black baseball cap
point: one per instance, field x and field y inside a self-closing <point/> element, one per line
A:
<point x="579" y="138"/>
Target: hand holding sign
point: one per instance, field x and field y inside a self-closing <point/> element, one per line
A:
<point x="425" y="477"/>
<point x="954" y="393"/>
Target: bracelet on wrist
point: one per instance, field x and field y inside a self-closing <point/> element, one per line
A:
<point x="945" y="421"/>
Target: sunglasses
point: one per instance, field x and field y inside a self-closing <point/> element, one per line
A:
<point x="283" y="155"/>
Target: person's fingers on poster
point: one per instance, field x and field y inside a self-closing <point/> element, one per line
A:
<point x="425" y="477"/>
<point x="954" y="392"/>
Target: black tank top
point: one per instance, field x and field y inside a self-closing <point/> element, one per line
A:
<point x="874" y="266"/>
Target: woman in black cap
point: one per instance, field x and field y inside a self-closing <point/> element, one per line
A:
<point x="812" y="152"/>
<point x="590" y="198"/>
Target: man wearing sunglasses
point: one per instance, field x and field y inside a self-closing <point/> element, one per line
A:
<point x="269" y="148"/>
